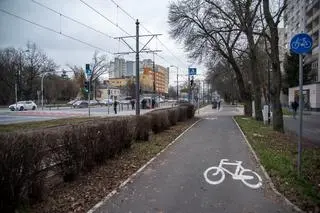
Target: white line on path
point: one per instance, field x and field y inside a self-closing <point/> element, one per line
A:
<point x="294" y="207"/>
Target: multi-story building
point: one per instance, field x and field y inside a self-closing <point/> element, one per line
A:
<point x="312" y="28"/>
<point x="304" y="16"/>
<point x="119" y="67"/>
<point x="131" y="68"/>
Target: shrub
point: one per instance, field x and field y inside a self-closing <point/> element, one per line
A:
<point x="190" y="109"/>
<point x="173" y="115"/>
<point x="183" y="113"/>
<point x="142" y="127"/>
<point x="21" y="157"/>
<point x="159" y="121"/>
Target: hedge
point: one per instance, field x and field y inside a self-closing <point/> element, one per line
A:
<point x="25" y="158"/>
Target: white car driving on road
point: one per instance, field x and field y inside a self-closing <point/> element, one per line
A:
<point x="23" y="105"/>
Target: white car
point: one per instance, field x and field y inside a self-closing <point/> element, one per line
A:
<point x="23" y="105"/>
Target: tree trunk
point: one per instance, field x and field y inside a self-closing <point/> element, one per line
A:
<point x="276" y="74"/>
<point x="244" y="92"/>
<point x="255" y="80"/>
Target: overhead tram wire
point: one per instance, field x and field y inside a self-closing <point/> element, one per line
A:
<point x="72" y="19"/>
<point x="95" y="10"/>
<point x="130" y="16"/>
<point x="55" y="31"/>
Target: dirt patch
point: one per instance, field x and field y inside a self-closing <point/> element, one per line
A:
<point x="89" y="189"/>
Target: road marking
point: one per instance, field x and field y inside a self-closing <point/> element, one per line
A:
<point x="219" y="172"/>
<point x="213" y="118"/>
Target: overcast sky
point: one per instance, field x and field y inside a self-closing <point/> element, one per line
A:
<point x="152" y="15"/>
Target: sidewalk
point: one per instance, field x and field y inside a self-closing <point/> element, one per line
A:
<point x="175" y="180"/>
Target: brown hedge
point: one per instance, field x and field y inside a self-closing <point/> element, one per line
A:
<point x="25" y="158"/>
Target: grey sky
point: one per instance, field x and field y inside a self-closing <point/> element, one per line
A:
<point x="152" y="14"/>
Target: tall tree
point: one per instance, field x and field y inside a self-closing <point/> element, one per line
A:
<point x="207" y="35"/>
<point x="273" y="38"/>
<point x="244" y="15"/>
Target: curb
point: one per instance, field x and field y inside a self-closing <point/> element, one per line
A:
<point x="287" y="202"/>
<point x="129" y="179"/>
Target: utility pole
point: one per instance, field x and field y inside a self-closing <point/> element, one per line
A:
<point x="154" y="76"/>
<point x="269" y="96"/>
<point x="137" y="50"/>
<point x="137" y="70"/>
<point x="177" y="86"/>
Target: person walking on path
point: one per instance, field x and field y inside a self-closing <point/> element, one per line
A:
<point x="294" y="106"/>
<point x="132" y="103"/>
<point x="115" y="104"/>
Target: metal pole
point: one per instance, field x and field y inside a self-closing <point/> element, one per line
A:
<point x="300" y="112"/>
<point x="189" y="88"/>
<point x="16" y="92"/>
<point x="137" y="70"/>
<point x="154" y="76"/>
<point x="89" y="94"/>
<point x="42" y="90"/>
<point x="269" y="96"/>
<point x="177" y="84"/>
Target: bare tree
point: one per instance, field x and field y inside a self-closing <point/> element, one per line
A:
<point x="273" y="38"/>
<point x="207" y="36"/>
<point x="244" y="15"/>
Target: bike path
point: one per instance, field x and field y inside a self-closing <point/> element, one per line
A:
<point x="174" y="182"/>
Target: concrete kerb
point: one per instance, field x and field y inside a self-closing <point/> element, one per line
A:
<point x="105" y="199"/>
<point x="269" y="181"/>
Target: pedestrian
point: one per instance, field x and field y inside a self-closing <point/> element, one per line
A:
<point x="115" y="104"/>
<point x="153" y="103"/>
<point x="132" y="103"/>
<point x="218" y="104"/>
<point x="294" y="106"/>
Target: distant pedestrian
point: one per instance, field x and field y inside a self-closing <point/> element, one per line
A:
<point x="218" y="104"/>
<point x="115" y="104"/>
<point x="132" y="103"/>
<point x="153" y="103"/>
<point x="294" y="106"/>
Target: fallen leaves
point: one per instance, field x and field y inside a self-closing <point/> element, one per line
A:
<point x="89" y="189"/>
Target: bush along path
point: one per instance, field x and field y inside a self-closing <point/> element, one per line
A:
<point x="72" y="168"/>
<point x="278" y="154"/>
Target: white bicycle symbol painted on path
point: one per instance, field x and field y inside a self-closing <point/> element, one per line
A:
<point x="301" y="42"/>
<point x="216" y="175"/>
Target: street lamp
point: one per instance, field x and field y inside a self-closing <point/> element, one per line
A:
<point x="18" y="78"/>
<point x="177" y="80"/>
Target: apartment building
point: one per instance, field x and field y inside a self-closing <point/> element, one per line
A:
<point x="304" y="16"/>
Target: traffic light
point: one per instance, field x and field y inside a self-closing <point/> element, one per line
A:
<point x="191" y="82"/>
<point x="86" y="86"/>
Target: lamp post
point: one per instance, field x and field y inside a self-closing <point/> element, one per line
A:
<point x="44" y="74"/>
<point x="18" y="78"/>
<point x="177" y="80"/>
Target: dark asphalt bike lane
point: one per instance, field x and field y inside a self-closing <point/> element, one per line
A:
<point x="175" y="181"/>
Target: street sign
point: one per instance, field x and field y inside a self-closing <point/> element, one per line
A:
<point x="192" y="71"/>
<point x="88" y="70"/>
<point x="301" y="43"/>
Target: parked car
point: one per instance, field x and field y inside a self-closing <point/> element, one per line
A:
<point x="23" y="105"/>
<point x="80" y="104"/>
<point x="107" y="102"/>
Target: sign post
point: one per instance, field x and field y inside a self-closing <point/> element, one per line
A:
<point x="191" y="72"/>
<point x="300" y="44"/>
<point x="89" y="72"/>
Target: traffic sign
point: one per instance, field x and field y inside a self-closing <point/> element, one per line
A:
<point x="88" y="70"/>
<point x="301" y="43"/>
<point x="192" y="71"/>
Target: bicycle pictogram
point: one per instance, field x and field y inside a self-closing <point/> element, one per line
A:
<point x="216" y="174"/>
<point x="301" y="43"/>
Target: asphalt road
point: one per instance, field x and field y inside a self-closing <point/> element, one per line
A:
<point x="9" y="117"/>
<point x="311" y="127"/>
<point x="175" y="181"/>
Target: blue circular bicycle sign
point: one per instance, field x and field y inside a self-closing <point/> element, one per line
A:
<point x="301" y="43"/>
